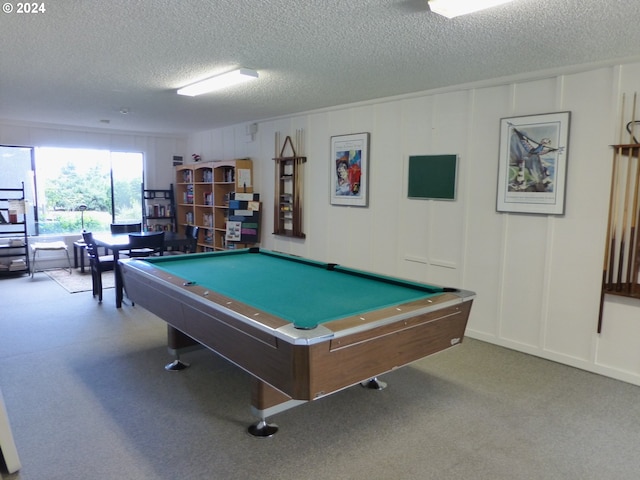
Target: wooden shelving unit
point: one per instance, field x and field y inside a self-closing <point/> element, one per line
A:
<point x="158" y="210"/>
<point x="203" y="191"/>
<point x="14" y="245"/>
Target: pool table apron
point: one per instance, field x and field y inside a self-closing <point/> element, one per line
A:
<point x="286" y="374"/>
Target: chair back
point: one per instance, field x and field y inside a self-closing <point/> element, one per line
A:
<point x="88" y="238"/>
<point x="191" y="232"/>
<point x="97" y="263"/>
<point x="151" y="242"/>
<point x="92" y="253"/>
<point x="117" y="228"/>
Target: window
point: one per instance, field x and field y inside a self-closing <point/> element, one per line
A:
<point x="107" y="183"/>
<point x="126" y="174"/>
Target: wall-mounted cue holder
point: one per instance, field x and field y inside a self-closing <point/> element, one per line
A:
<point x="621" y="271"/>
<point x="289" y="183"/>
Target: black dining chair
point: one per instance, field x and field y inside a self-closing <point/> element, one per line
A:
<point x="191" y="233"/>
<point x="190" y="246"/>
<point x="87" y="237"/>
<point x="98" y="264"/>
<point x="151" y="243"/>
<point x="118" y="228"/>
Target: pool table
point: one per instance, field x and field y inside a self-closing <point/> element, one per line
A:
<point x="302" y="328"/>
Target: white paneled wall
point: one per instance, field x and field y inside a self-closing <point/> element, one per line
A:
<point x="537" y="277"/>
<point x="158" y="150"/>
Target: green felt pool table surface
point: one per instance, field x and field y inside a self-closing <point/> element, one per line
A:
<point x="304" y="292"/>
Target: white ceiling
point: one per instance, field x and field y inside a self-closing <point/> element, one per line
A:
<point x="82" y="61"/>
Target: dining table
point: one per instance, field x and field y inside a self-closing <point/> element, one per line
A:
<point x="119" y="242"/>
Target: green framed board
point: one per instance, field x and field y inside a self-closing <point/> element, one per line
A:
<point x="433" y="176"/>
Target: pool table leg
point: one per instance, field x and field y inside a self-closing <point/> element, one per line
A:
<point x="176" y="365"/>
<point x="374" y="384"/>
<point x="178" y="342"/>
<point x="263" y="429"/>
<point x="267" y="401"/>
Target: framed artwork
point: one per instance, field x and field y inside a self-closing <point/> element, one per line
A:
<point x="349" y="169"/>
<point x="533" y="163"/>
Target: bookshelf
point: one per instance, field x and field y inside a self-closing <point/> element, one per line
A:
<point x="14" y="248"/>
<point x="203" y="193"/>
<point x="158" y="210"/>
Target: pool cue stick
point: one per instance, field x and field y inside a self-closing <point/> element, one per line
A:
<point x="632" y="267"/>
<point x="636" y="252"/>
<point x="610" y="243"/>
<point x="614" y="202"/>
<point x="276" y="202"/>
<point x="301" y="146"/>
<point x="625" y="212"/>
<point x="634" y="206"/>
<point x="636" y="246"/>
<point x="296" y="198"/>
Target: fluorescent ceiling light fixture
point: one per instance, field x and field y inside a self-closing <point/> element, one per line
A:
<point x="228" y="79"/>
<point x="455" y="8"/>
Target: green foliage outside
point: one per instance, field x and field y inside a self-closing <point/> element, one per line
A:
<point x="58" y="212"/>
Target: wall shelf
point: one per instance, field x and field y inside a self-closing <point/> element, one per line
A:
<point x="289" y="182"/>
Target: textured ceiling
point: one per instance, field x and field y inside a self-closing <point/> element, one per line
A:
<point x="82" y="61"/>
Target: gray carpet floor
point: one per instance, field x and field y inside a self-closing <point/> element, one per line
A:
<point x="88" y="398"/>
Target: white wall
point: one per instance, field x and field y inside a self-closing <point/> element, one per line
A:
<point x="158" y="150"/>
<point x="537" y="277"/>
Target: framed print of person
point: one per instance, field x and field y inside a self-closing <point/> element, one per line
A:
<point x="349" y="169"/>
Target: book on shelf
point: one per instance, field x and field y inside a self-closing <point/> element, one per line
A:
<point x="17" y="264"/>
<point x="207" y="176"/>
<point x="187" y="196"/>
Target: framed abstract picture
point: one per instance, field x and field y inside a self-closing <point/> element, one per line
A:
<point x="533" y="163"/>
<point x="349" y="169"/>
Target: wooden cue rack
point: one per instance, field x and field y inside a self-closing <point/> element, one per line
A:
<point x="289" y="182"/>
<point x="621" y="270"/>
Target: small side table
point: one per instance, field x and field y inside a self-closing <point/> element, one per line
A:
<point x="78" y="250"/>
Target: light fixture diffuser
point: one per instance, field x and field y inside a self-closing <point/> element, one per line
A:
<point x="228" y="79"/>
<point x="455" y="8"/>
